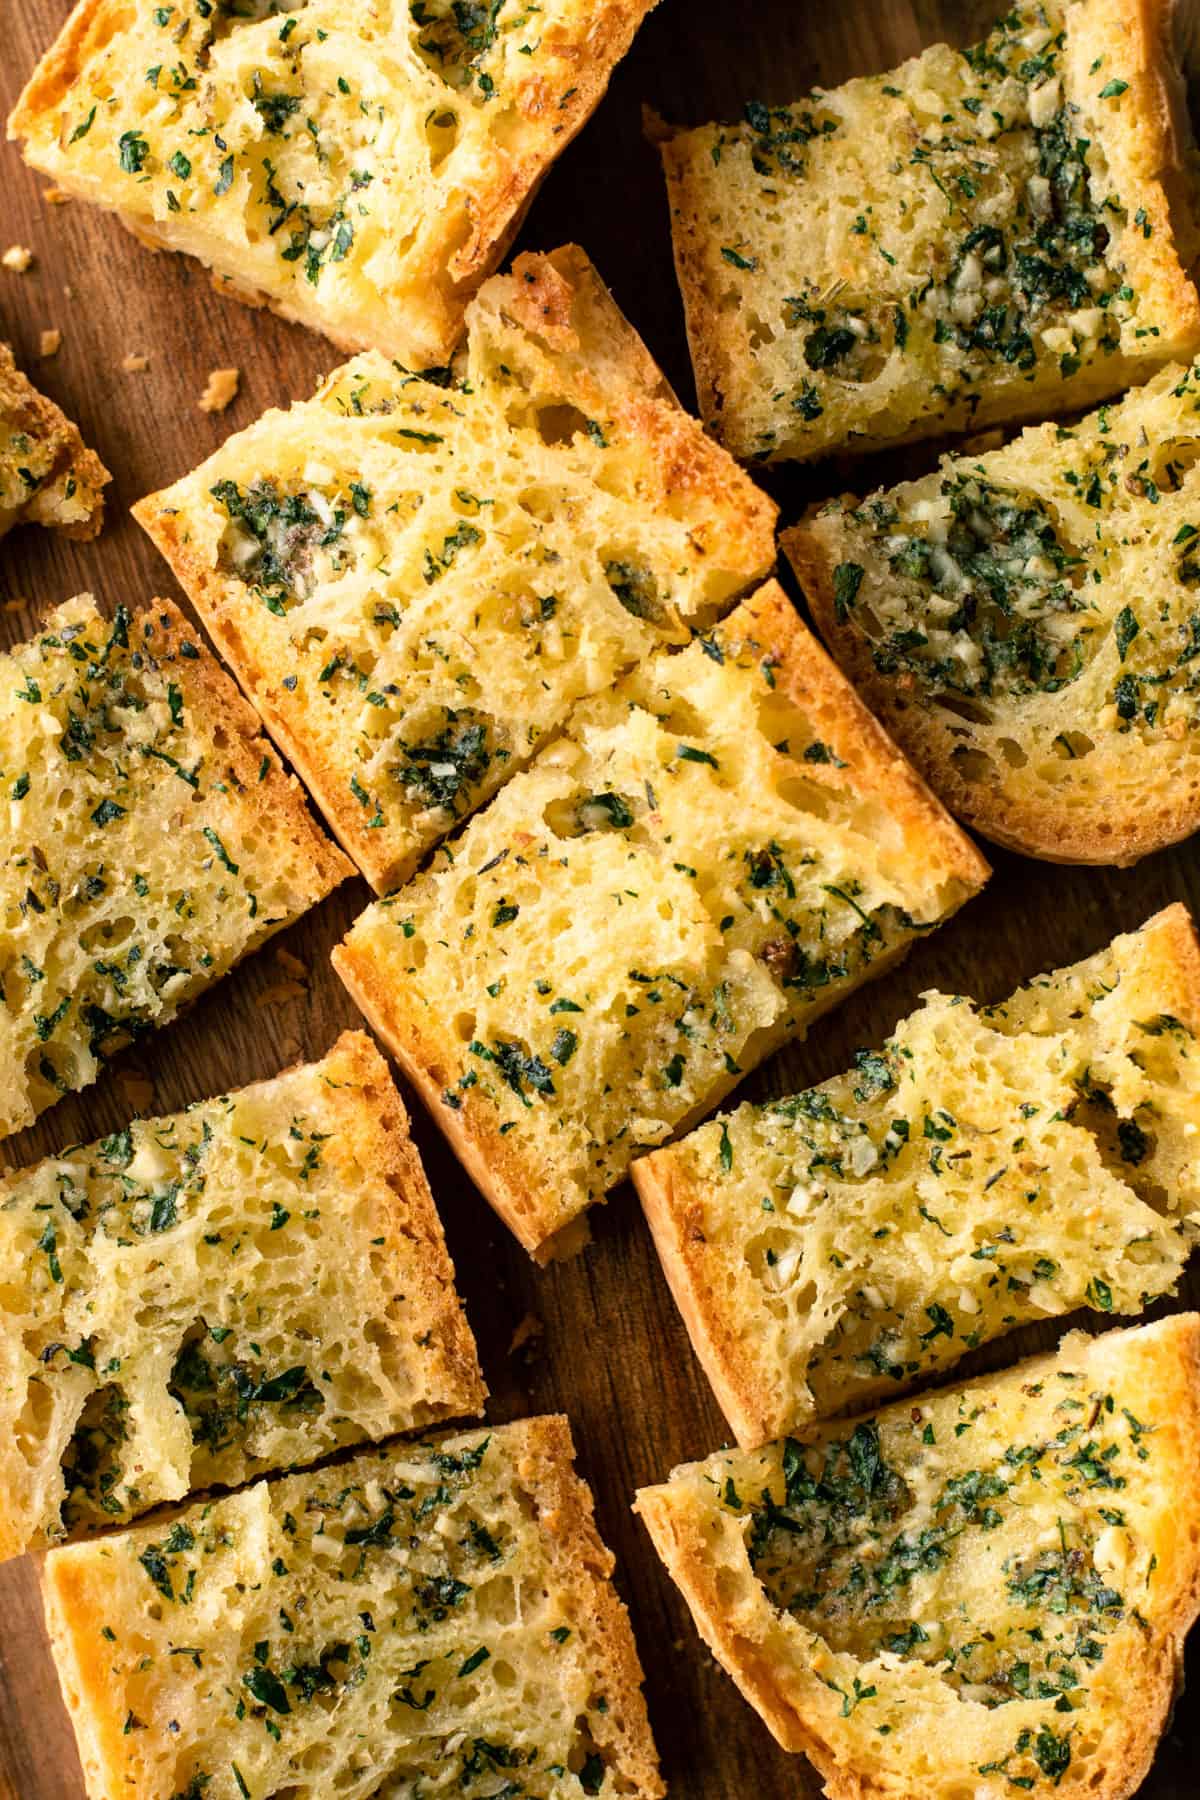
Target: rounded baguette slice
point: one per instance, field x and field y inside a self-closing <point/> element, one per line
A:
<point x="1026" y="622"/>
<point x="359" y="169"/>
<point x="986" y="1167"/>
<point x="150" y="839"/>
<point x="708" y="857"/>
<point x="980" y="1591"/>
<point x="199" y="1299"/>
<point x="435" y="1617"/>
<point x="974" y="238"/>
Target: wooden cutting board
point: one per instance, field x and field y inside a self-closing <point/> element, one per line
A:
<point x="611" y="1351"/>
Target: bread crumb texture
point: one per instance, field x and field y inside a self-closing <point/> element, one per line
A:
<point x="976" y="236"/>
<point x="150" y="839"/>
<point x="47" y="474"/>
<point x="415" y="580"/>
<point x="202" y="1298"/>
<point x="979" y="1594"/>
<point x="361" y="169"/>
<point x="987" y="1166"/>
<point x="17" y="258"/>
<point x="220" y="390"/>
<point x="1027" y="622"/>
<point x="435" y="1617"/>
<point x="711" y="855"/>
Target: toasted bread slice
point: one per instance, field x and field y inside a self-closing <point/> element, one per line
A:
<point x="358" y="169"/>
<point x="982" y="1593"/>
<point x="974" y="237"/>
<point x="150" y="840"/>
<point x="414" y="582"/>
<point x="987" y="1166"/>
<point x="204" y="1298"/>
<point x="47" y="474"/>
<point x="430" y="1618"/>
<point x="711" y="855"/>
<point x="1026" y="622"/>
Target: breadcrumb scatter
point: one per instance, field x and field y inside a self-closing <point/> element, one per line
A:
<point x="526" y="1335"/>
<point x="135" y="362"/>
<point x="221" y="389"/>
<point x="291" y="965"/>
<point x="50" y="342"/>
<point x="17" y="258"/>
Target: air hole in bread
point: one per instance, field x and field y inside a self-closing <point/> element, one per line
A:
<point x="559" y="423"/>
<point x="1073" y="745"/>
<point x="106" y="933"/>
<point x="92" y="1461"/>
<point x="441" y="134"/>
<point x="972" y="765"/>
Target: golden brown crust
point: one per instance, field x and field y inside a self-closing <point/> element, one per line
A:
<point x="1107" y="837"/>
<point x="497" y="220"/>
<point x="813" y="681"/>
<point x="210" y="595"/>
<point x="1176" y="927"/>
<point x="383" y="1144"/>
<point x="497" y="1170"/>
<point x="674" y="1211"/>
<point x="701" y="319"/>
<point x="584" y="1566"/>
<point x="31" y="412"/>
<point x="1137" y="39"/>
<point x="676" y="1531"/>
<point x="270" y="794"/>
<point x="74" y="1601"/>
<point x="1162" y="1360"/>
<point x="548" y="117"/>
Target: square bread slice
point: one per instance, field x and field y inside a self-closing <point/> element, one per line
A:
<point x="47" y="474"/>
<point x="712" y="854"/>
<point x="979" y="1594"/>
<point x="414" y="582"/>
<point x="429" y="1619"/>
<point x="975" y="237"/>
<point x="989" y="1165"/>
<point x="204" y="1298"/>
<point x="149" y="839"/>
<point x="1026" y="622"/>
<point x="357" y="168"/>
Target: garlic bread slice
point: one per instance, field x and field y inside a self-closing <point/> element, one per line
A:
<point x="986" y="1167"/>
<point x="711" y="855"/>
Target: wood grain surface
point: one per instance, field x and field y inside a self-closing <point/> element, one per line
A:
<point x="612" y="1352"/>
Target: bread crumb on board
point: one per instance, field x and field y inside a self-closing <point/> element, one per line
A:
<point x="17" y="258"/>
<point x="55" y="196"/>
<point x="50" y="342"/>
<point x="280" y="993"/>
<point x="526" y="1336"/>
<point x="220" y="390"/>
<point x="135" y="363"/>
